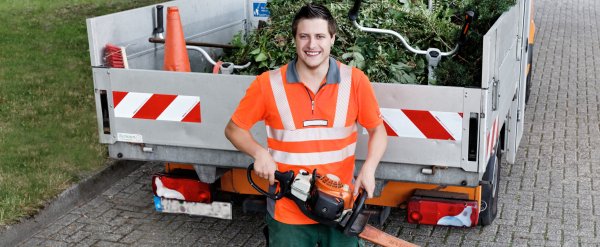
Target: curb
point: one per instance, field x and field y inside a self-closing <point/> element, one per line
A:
<point x="77" y="194"/>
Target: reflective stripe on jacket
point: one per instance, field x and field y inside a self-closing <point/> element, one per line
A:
<point x="329" y="149"/>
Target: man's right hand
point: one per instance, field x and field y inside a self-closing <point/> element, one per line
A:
<point x="264" y="165"/>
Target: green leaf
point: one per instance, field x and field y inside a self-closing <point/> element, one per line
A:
<point x="255" y="51"/>
<point x="261" y="57"/>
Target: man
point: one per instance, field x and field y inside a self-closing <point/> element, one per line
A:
<point x="310" y="107"/>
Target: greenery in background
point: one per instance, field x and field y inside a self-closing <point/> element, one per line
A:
<point x="382" y="57"/>
<point x="48" y="131"/>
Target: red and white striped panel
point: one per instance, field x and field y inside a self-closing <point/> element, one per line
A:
<point x="491" y="139"/>
<point x="423" y="124"/>
<point x="165" y="107"/>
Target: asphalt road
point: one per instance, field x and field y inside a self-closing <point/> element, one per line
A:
<point x="549" y="197"/>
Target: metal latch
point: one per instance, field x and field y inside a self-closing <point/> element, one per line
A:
<point x="519" y="47"/>
<point x="495" y="94"/>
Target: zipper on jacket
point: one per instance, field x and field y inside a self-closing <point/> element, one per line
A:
<point x="312" y="101"/>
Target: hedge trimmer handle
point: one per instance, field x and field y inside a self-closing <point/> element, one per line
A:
<point x="469" y="16"/>
<point x="353" y="14"/>
<point x="354" y="225"/>
<point x="285" y="180"/>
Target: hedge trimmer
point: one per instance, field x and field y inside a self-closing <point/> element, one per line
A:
<point x="325" y="199"/>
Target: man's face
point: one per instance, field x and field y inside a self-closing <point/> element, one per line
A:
<point x="313" y="43"/>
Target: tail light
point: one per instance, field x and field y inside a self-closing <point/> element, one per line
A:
<point x="448" y="212"/>
<point x="182" y="188"/>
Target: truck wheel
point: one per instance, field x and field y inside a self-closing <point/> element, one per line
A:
<point x="489" y="194"/>
<point x="528" y="80"/>
<point x="378" y="214"/>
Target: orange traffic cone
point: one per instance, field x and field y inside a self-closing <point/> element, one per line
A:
<point x="176" y="59"/>
<point x="176" y="56"/>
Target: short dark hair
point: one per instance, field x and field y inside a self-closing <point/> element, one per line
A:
<point x="314" y="11"/>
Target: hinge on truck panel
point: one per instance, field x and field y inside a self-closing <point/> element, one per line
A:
<point x="495" y="94"/>
<point x="519" y="47"/>
<point x="518" y="115"/>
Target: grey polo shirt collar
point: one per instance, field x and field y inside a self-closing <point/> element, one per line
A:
<point x="333" y="74"/>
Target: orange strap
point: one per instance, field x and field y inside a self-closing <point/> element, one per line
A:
<point x="217" y="67"/>
<point x="379" y="237"/>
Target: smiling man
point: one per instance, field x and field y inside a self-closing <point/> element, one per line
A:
<point x="311" y="107"/>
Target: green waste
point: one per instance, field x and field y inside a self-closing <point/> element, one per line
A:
<point x="382" y="57"/>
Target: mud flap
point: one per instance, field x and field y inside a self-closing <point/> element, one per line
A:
<point x="489" y="195"/>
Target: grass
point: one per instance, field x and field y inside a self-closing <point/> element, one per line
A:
<point x="48" y="129"/>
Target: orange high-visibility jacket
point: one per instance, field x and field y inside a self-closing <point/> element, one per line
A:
<point x="308" y="130"/>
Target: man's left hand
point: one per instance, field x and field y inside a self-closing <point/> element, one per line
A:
<point x="365" y="180"/>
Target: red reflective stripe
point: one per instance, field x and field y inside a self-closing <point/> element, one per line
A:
<point x="117" y="97"/>
<point x="312" y="146"/>
<point x="428" y="125"/>
<point x="495" y="135"/>
<point x="461" y="114"/>
<point x="193" y="115"/>
<point x="389" y="130"/>
<point x="487" y="146"/>
<point x="154" y="106"/>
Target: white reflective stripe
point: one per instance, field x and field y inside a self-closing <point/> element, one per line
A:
<point x="317" y="158"/>
<point x="179" y="108"/>
<point x="400" y="123"/>
<point x="451" y="121"/>
<point x="343" y="97"/>
<point x="310" y="134"/>
<point x="131" y="104"/>
<point x="281" y="99"/>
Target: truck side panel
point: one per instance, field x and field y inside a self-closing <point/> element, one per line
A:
<point x="516" y="127"/>
<point x="501" y="74"/>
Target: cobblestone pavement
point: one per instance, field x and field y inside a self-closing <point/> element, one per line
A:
<point x="550" y="197"/>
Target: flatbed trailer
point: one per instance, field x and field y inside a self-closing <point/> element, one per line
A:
<point x="444" y="143"/>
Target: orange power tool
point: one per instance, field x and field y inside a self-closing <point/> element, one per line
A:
<point x="326" y="200"/>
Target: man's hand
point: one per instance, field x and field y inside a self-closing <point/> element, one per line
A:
<point x="264" y="165"/>
<point x="365" y="180"/>
<point x="366" y="176"/>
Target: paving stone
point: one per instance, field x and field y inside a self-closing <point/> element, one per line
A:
<point x="109" y="244"/>
<point x="571" y="241"/>
<point x="32" y="242"/>
<point x="87" y="242"/>
<point x="106" y="236"/>
<point x="53" y="243"/>
<point x="77" y="237"/>
<point x="124" y="229"/>
<point x="72" y="228"/>
<point x="520" y="242"/>
<point x="67" y="219"/>
<point x="133" y="237"/>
